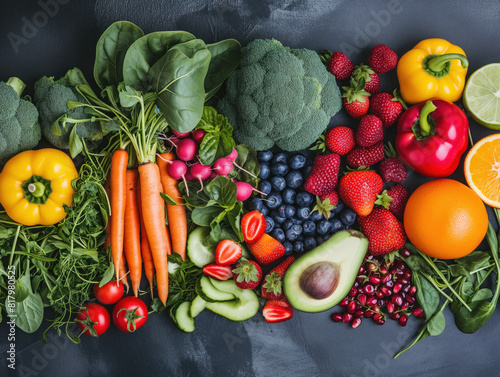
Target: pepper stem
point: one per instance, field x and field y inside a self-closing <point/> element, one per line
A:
<point x="423" y="120"/>
<point x="439" y="65"/>
<point x="37" y="189"/>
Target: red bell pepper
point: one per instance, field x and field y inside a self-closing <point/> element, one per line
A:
<point x="432" y="136"/>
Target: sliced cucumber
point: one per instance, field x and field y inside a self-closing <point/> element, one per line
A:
<point x="209" y="293"/>
<point x="199" y="254"/>
<point x="183" y="317"/>
<point x="244" y="307"/>
<point x="197" y="306"/>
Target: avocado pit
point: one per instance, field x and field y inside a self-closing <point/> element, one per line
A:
<point x="320" y="280"/>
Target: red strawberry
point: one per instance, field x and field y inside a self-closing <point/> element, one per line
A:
<point x="247" y="274"/>
<point x="369" y="156"/>
<point x="337" y="63"/>
<point x="340" y="140"/>
<point x="324" y="174"/>
<point x="218" y="272"/>
<point x="387" y="107"/>
<point x="272" y="287"/>
<point x="253" y="226"/>
<point x="392" y="169"/>
<point x="266" y="249"/>
<point x="277" y="311"/>
<point x="227" y="252"/>
<point x="399" y="195"/>
<point x="372" y="80"/>
<point x="355" y="99"/>
<point x="384" y="231"/>
<point x="325" y="203"/>
<point x="382" y="59"/>
<point x="370" y="131"/>
<point x="358" y="190"/>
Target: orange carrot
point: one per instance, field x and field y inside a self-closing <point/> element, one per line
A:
<point x="132" y="236"/>
<point x="176" y="214"/>
<point x="153" y="213"/>
<point x="147" y="258"/>
<point x="118" y="178"/>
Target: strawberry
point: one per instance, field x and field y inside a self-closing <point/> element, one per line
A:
<point x="253" y="226"/>
<point x="325" y="203"/>
<point x="392" y="169"/>
<point x="382" y="59"/>
<point x="337" y="63"/>
<point x="247" y="274"/>
<point x="372" y="79"/>
<point x="340" y="140"/>
<point x="217" y="271"/>
<point x="227" y="252"/>
<point x="277" y="311"/>
<point x="272" y="287"/>
<point x="384" y="231"/>
<point x="387" y="107"/>
<point x="369" y="156"/>
<point x="399" y="195"/>
<point x="323" y="177"/>
<point x="358" y="190"/>
<point x="355" y="99"/>
<point x="266" y="249"/>
<point x="370" y="131"/>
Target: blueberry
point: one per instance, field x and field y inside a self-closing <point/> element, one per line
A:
<point x="307" y="170"/>
<point x="289" y="211"/>
<point x="287" y="224"/>
<point x="279" y="168"/>
<point x="298" y="246"/>
<point x="288" y="247"/>
<point x="280" y="211"/>
<point x="338" y="208"/>
<point x="265" y="186"/>
<point x="324" y="227"/>
<point x="273" y="200"/>
<point x="277" y="216"/>
<point x="264" y="211"/>
<point x="278" y="183"/>
<point x="256" y="204"/>
<point x="291" y="235"/>
<point x="309" y="228"/>
<point x="297" y="161"/>
<point x="310" y="243"/>
<point x="294" y="179"/>
<point x="304" y="198"/>
<point x="322" y="238"/>
<point x="269" y="224"/>
<point x="265" y="170"/>
<point x="297" y="228"/>
<point x="303" y="213"/>
<point x="347" y="217"/>
<point x="288" y="195"/>
<point x="264" y="156"/>
<point x="336" y="225"/>
<point x="278" y="234"/>
<point x="280" y="157"/>
<point x="316" y="216"/>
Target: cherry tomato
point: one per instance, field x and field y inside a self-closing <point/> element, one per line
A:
<point x="93" y="319"/>
<point x="253" y="226"/>
<point x="109" y="293"/>
<point x="130" y="313"/>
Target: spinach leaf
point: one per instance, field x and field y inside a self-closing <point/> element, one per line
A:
<point x="178" y="79"/>
<point x="417" y="263"/>
<point x="222" y="191"/>
<point x="247" y="160"/>
<point x="225" y="58"/>
<point x="427" y="295"/>
<point x="474" y="261"/>
<point x="110" y="52"/>
<point x="203" y="216"/>
<point x="482" y="294"/>
<point x="435" y="326"/>
<point x="108" y="275"/>
<point x="470" y="321"/>
<point x="218" y="141"/>
<point x="29" y="312"/>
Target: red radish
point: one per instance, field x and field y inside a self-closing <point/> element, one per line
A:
<point x="233" y="155"/>
<point x="223" y="166"/>
<point x="198" y="135"/>
<point x="187" y="149"/>
<point x="177" y="169"/>
<point x="200" y="172"/>
<point x="244" y="190"/>
<point x="189" y="177"/>
<point x="213" y="175"/>
<point x="181" y="135"/>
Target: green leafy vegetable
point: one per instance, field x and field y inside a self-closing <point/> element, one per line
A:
<point x="218" y="141"/>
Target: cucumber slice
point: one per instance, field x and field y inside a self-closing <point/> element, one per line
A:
<point x="197" y="306"/>
<point x="199" y="254"/>
<point x="183" y="317"/>
<point x="209" y="293"/>
<point x="244" y="307"/>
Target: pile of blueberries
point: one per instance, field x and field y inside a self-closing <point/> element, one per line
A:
<point x="288" y="208"/>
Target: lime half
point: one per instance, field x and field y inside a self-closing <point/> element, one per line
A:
<point x="482" y="96"/>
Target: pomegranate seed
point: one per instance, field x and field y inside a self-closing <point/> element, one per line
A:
<point x="360" y="280"/>
<point x="418" y="313"/>
<point x="413" y="290"/>
<point x="408" y="274"/>
<point x="390" y="283"/>
<point x="405" y="305"/>
<point x="369" y="314"/>
<point x="375" y="308"/>
<point x="356" y="323"/>
<point x="351" y="307"/>
<point x="397" y="300"/>
<point x="347" y="317"/>
<point x="337" y="317"/>
<point x="355" y="284"/>
<point x="381" y="302"/>
<point x="353" y="292"/>
<point x="383" y="270"/>
<point x="359" y="313"/>
<point x="371" y="300"/>
<point x="402" y="281"/>
<point x="390" y="307"/>
<point x="362" y="299"/>
<point x="377" y="316"/>
<point x="397" y="287"/>
<point x="360" y="290"/>
<point x="371" y="266"/>
<point x="380" y="294"/>
<point x="369" y="289"/>
<point x="361" y="270"/>
<point x="410" y="299"/>
<point x="403" y="319"/>
<point x="344" y="303"/>
<point x="386" y="279"/>
<point x="405" y="252"/>
<point x="395" y="316"/>
<point x="386" y="291"/>
<point x="374" y="280"/>
<point x="399" y="273"/>
<point x="406" y="288"/>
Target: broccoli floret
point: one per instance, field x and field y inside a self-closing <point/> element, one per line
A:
<point x="19" y="127"/>
<point x="51" y="97"/>
<point x="279" y="95"/>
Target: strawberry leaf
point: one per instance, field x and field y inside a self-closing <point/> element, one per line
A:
<point x="323" y="207"/>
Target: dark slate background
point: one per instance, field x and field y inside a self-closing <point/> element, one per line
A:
<point x="48" y="37"/>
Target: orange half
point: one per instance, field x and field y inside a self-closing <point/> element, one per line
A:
<point x="482" y="169"/>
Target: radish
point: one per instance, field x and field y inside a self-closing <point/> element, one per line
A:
<point x="177" y="169"/>
<point x="200" y="172"/>
<point x="187" y="149"/>
<point x="244" y="190"/>
<point x="198" y="135"/>
<point x="181" y="135"/>
<point x="223" y="166"/>
<point x="233" y="155"/>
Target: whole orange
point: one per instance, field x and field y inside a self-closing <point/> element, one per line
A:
<point x="445" y="219"/>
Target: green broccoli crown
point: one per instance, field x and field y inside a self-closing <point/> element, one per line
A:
<point x="279" y="95"/>
<point x="19" y="128"/>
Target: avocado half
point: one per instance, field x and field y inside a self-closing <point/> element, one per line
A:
<point x="321" y="278"/>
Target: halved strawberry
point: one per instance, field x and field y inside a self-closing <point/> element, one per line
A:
<point x="227" y="252"/>
<point x="277" y="311"/>
<point x="266" y="249"/>
<point x="253" y="226"/>
<point x="217" y="271"/>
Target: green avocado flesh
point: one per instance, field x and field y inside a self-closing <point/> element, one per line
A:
<point x="321" y="278"/>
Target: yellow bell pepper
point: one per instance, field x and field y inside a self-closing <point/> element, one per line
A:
<point x="434" y="68"/>
<point x="35" y="184"/>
